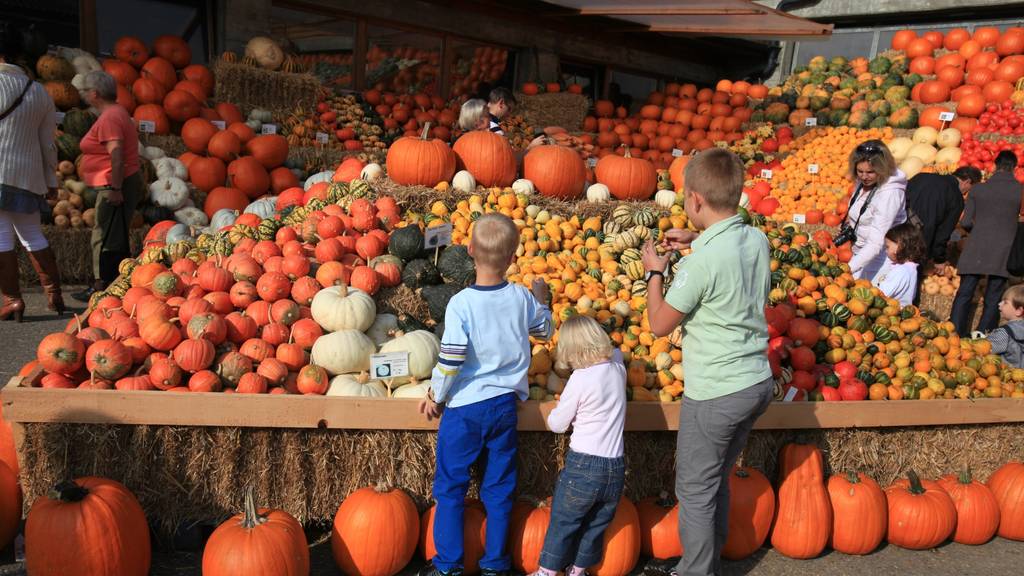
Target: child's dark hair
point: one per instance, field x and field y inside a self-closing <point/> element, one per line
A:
<point x="909" y="242"/>
<point x="1015" y="295"/>
<point x="501" y="93"/>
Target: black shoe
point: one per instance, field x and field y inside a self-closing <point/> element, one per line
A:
<point x="656" y="567"/>
<point x="84" y="295"/>
<point x="431" y="570"/>
<point x="493" y="572"/>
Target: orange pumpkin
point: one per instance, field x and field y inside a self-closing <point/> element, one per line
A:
<point x="148" y="91"/>
<point x="257" y="542"/>
<point x="803" y="515"/>
<point x="474" y="528"/>
<point x="919" y="47"/>
<point x="487" y="156"/>
<point x="375" y="532"/>
<point x="556" y="171"/>
<point x="173" y="49"/>
<point x="249" y="176"/>
<point x="859" y="513"/>
<point x="751" y="508"/>
<point x="971" y="105"/>
<point x="921" y="513"/>
<point x="902" y="38"/>
<point x="412" y="160"/>
<point x="201" y="75"/>
<point x="659" y="527"/>
<point x="207" y="173"/>
<point x="270" y="150"/>
<point x="131" y="50"/>
<point x="1007" y="484"/>
<point x="527" y="529"/>
<point x="977" y="511"/>
<point x="225" y="145"/>
<point x="155" y="114"/>
<point x="677" y="172"/>
<point x="627" y="178"/>
<point x="181" y="106"/>
<point x="621" y="542"/>
<point x="348" y="170"/>
<point x="196" y="134"/>
<point x="224" y="197"/>
<point x="122" y="72"/>
<point x="160" y="70"/>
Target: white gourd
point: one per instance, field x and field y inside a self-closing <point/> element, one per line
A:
<point x="382" y="327"/>
<point x="744" y="200"/>
<point x="899" y="147"/>
<point x="357" y="385"/>
<point x="949" y="138"/>
<point x="85" y="63"/>
<point x="371" y="171"/>
<point x="342" y="308"/>
<point x="523" y="186"/>
<point x="264" y="116"/>
<point x="223" y="217"/>
<point x="256" y="125"/>
<point x="598" y="193"/>
<point x="665" y="198"/>
<point x="926" y="152"/>
<point x="191" y="216"/>
<point x="343" y="352"/>
<point x="948" y="156"/>
<point x="170" y="168"/>
<point x="414" y="390"/>
<point x="179" y="233"/>
<point x="423" y="348"/>
<point x="264" y="207"/>
<point x="78" y="81"/>
<point x="154" y="153"/>
<point x="463" y="181"/>
<point x="171" y="193"/>
<point x="925" y="135"/>
<point x="324" y="176"/>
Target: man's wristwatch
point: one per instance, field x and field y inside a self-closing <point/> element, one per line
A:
<point x="652" y="273"/>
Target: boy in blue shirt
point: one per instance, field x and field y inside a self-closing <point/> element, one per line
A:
<point x="480" y="374"/>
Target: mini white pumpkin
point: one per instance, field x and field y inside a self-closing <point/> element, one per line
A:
<point x="342" y="308"/>
<point x="85" y="63"/>
<point x="262" y="115"/>
<point x="264" y="207"/>
<point x="171" y="193"/>
<point x="423" y="348"/>
<point x="463" y="181"/>
<point x="324" y="176"/>
<point x="382" y="327"/>
<point x="179" y="233"/>
<point x="358" y="385"/>
<point x="523" y="186"/>
<point x="343" y="352"/>
<point x="265" y="51"/>
<point x="371" y="171"/>
<point x="170" y="168"/>
<point x="665" y="198"/>
<point x="598" y="193"/>
<point x="926" y="152"/>
<point x="223" y="217"/>
<point x="78" y="81"/>
<point x="949" y="138"/>
<point x="948" y="156"/>
<point x="154" y="153"/>
<point x="414" y="390"/>
<point x="254" y="124"/>
<point x="912" y="166"/>
<point x="191" y="216"/>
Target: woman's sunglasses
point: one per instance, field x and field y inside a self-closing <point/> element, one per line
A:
<point x="869" y="148"/>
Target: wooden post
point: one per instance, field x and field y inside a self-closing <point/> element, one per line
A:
<point x="359" y="56"/>
<point x="88" y="38"/>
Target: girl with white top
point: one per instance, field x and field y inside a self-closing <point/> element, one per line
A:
<point x="904" y="248"/>
<point x="589" y="487"/>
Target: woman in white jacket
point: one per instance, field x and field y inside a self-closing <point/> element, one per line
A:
<point x="878" y="203"/>
<point x="28" y="160"/>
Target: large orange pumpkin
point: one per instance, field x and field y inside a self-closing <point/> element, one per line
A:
<point x="621" y="542"/>
<point x="224" y="197"/>
<point x="249" y="176"/>
<point x="257" y="542"/>
<point x="527" y="530"/>
<point x="919" y="47"/>
<point x="971" y="105"/>
<point x="474" y="527"/>
<point x="131" y="50"/>
<point x="952" y="76"/>
<point x="200" y="75"/>
<point x="627" y="178"/>
<point x="225" y="145"/>
<point x="955" y="38"/>
<point x="997" y="91"/>
<point x="803" y="515"/>
<point x="659" y="527"/>
<point x="1007" y="485"/>
<point x="487" y="156"/>
<point x="173" y="49"/>
<point x="934" y="91"/>
<point x="375" y="532"/>
<point x="229" y="112"/>
<point x="986" y="36"/>
<point x="153" y="113"/>
<point x="125" y="99"/>
<point x="751" y="508"/>
<point x="148" y="91"/>
<point x="556" y="171"/>
<point x="1010" y="43"/>
<point x="271" y="150"/>
<point x="977" y="511"/>
<point x="677" y="172"/>
<point x="207" y="173"/>
<point x="181" y="106"/>
<point x="197" y="92"/>
<point x="348" y="170"/>
<point x="196" y="134"/>
<point x="73" y="514"/>
<point x="1010" y="70"/>
<point x="921" y="513"/>
<point x="859" y="513"/>
<point x="122" y="72"/>
<point x="902" y="38"/>
<point x="160" y="70"/>
<point x="413" y="160"/>
<point x="10" y="504"/>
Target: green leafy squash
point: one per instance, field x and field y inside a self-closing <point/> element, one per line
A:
<point x="455" y="265"/>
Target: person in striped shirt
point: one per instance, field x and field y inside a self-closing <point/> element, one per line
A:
<point x="499" y="103"/>
<point x="480" y="374"/>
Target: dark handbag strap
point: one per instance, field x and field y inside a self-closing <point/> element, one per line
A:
<point x="17" y="101"/>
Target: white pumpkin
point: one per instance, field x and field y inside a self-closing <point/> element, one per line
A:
<point x="414" y="390"/>
<point x="178" y="233"/>
<point x="598" y="193"/>
<point x="264" y="207"/>
<point x="191" y="216"/>
<point x="463" y="181"/>
<point x="423" y="348"/>
<point x="925" y="135"/>
<point x="358" y="385"/>
<point x="382" y="327"/>
<point x="665" y="198"/>
<point x="371" y="171"/>
<point x="86" y="63"/>
<point x="170" y="168"/>
<point x="265" y="51"/>
<point x="949" y="138"/>
<point x="912" y="166"/>
<point x="154" y="153"/>
<point x="78" y="81"/>
<point x="255" y="125"/>
<point x="948" y="156"/>
<point x="324" y="176"/>
<point x="523" y="186"/>
<point x="342" y="308"/>
<point x="899" y="147"/>
<point x="223" y="217"/>
<point x="343" y="352"/>
<point x="926" y="152"/>
<point x="171" y="193"/>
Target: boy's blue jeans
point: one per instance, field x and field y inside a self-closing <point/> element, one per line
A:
<point x="586" y="495"/>
<point x="486" y="428"/>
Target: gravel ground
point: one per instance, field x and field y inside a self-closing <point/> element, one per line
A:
<point x="18" y="342"/>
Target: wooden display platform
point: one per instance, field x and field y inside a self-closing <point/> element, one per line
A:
<point x="24" y="404"/>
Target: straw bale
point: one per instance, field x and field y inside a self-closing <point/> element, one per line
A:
<point x="74" y="254"/>
<point x="250" y="87"/>
<point x="555" y="109"/>
<point x="171" y="144"/>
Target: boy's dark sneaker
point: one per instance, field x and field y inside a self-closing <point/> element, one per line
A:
<point x="431" y="570"/>
<point x="493" y="572"/>
<point x="655" y="567"/>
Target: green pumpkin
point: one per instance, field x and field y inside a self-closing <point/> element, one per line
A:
<point x="406" y="243"/>
<point x="455" y="265"/>
<point x="880" y="65"/>
<point x="841" y="312"/>
<point x="67" y="147"/>
<point x="437" y="298"/>
<point x="77" y="122"/>
<point x="420" y="273"/>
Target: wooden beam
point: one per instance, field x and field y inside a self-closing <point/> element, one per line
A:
<point x="667" y="11"/>
<point x="824" y="30"/>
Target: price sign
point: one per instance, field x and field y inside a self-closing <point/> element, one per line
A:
<point x="799" y="219"/>
<point x="790" y="394"/>
<point x="268" y="129"/>
<point x="677" y="153"/>
<point x="321" y="138"/>
<point x="60" y="117"/>
<point x="946" y="116"/>
<point x="438" y="236"/>
<point x="147" y="126"/>
<point x="389" y="365"/>
<point x="812" y="168"/>
<point x="219" y="124"/>
<point x="766" y="174"/>
<point x="812" y="121"/>
<point x="591" y="162"/>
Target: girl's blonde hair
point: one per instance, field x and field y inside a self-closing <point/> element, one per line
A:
<point x="877" y="154"/>
<point x="582" y="343"/>
<point x="472" y="112"/>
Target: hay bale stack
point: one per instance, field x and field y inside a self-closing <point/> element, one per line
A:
<point x="171" y="144"/>
<point x="74" y="254"/>
<point x="250" y="87"/>
<point x="554" y="109"/>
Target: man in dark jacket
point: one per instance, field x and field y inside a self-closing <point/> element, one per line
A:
<point x="990" y="215"/>
<point x="938" y="200"/>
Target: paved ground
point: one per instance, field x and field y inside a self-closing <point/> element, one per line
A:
<point x="17" y="346"/>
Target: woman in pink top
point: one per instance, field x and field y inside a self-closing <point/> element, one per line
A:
<point x="110" y="164"/>
<point x="589" y="487"/>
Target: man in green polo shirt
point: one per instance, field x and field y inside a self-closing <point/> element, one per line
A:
<point x="718" y="294"/>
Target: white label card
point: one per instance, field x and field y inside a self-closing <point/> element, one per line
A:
<point x="389" y="365"/>
<point x="766" y="174"/>
<point x="591" y="162"/>
<point x="268" y="129"/>
<point x="321" y="138"/>
<point x="60" y="117"/>
<point x="438" y="236"/>
<point x="677" y="153"/>
<point x="219" y="124"/>
<point x="947" y="116"/>
<point x="147" y="126"/>
<point x="812" y="121"/>
<point x="812" y="168"/>
<point x="799" y="219"/>
<point x="790" y="394"/>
